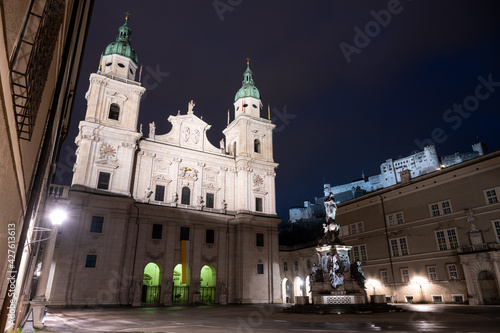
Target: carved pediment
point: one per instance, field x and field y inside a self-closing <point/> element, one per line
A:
<point x="259" y="190"/>
<point x="107" y="163"/>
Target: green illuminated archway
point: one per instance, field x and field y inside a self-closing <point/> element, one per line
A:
<point x="151" y="284"/>
<point x="207" y="276"/>
<point x="180" y="294"/>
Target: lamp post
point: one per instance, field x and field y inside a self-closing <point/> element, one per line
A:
<point x="56" y="217"/>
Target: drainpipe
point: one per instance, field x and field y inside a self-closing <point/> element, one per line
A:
<point x="389" y="248"/>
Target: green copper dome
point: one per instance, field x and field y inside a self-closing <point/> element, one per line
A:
<point x="248" y="89"/>
<point x="122" y="44"/>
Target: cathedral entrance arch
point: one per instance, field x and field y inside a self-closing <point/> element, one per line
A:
<point x="297" y="287"/>
<point x="151" y="284"/>
<point x="180" y="293"/>
<point x="207" y="284"/>
<point x="285" y="291"/>
<point x="488" y="287"/>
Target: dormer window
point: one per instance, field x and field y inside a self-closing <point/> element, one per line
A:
<point x="114" y="111"/>
<point x="256" y="146"/>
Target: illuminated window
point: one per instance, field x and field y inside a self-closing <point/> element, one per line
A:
<point x="210" y="236"/>
<point x="399" y="247"/>
<point x="186" y="196"/>
<point x="440" y="208"/>
<point x="160" y="193"/>
<point x="96" y="224"/>
<point x="496" y="226"/>
<point x="447" y="239"/>
<point x="359" y="252"/>
<point x="209" y="202"/>
<point x="259" y="239"/>
<point x="405" y="275"/>
<point x="491" y="196"/>
<point x="260" y="268"/>
<point x="394" y="219"/>
<point x="285" y="266"/>
<point x="256" y="146"/>
<point x="452" y="272"/>
<point x="103" y="180"/>
<point x="114" y="111"/>
<point x="431" y="273"/>
<point x="258" y="204"/>
<point x="157" y="231"/>
<point x="184" y="233"/>
<point x="384" y="277"/>
<point x="91" y="260"/>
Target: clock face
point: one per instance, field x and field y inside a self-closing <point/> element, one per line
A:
<point x="108" y="151"/>
<point x="257" y="180"/>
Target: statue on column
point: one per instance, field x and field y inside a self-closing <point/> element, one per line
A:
<point x="331" y="228"/>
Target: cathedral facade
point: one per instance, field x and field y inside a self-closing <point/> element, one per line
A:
<point x="166" y="218"/>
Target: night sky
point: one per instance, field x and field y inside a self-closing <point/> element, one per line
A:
<point x="350" y="83"/>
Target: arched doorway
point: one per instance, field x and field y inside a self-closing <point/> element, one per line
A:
<point x="151" y="284"/>
<point x="285" y="291"/>
<point x="488" y="287"/>
<point x="180" y="294"/>
<point x="297" y="287"/>
<point x="207" y="285"/>
<point x="308" y="289"/>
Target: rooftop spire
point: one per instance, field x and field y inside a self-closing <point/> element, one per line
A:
<point x="122" y="44"/>
<point x="248" y="88"/>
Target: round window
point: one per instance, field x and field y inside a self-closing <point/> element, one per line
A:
<point x="121" y="65"/>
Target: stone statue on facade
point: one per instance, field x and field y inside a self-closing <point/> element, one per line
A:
<point x="148" y="193"/>
<point x="175" y="197"/>
<point x="191" y="106"/>
<point x="152" y="130"/>
<point x="222" y="146"/>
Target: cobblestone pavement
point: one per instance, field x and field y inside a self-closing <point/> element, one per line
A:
<point x="269" y="318"/>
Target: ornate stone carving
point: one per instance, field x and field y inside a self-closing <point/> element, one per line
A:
<point x="208" y="260"/>
<point x="195" y="137"/>
<point x="154" y="256"/>
<point x="185" y="133"/>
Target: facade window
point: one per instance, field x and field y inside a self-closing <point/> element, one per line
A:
<point x="103" y="180"/>
<point x="405" y="275"/>
<point x="437" y="299"/>
<point x="259" y="239"/>
<point x="384" y="277"/>
<point x="440" y="208"/>
<point x="457" y="298"/>
<point x="491" y="196"/>
<point x="210" y="236"/>
<point x="496" y="226"/>
<point x="186" y="196"/>
<point x="157" y="231"/>
<point x="399" y="247"/>
<point x="296" y="264"/>
<point x="114" y="111"/>
<point x="184" y="233"/>
<point x="409" y="299"/>
<point x="431" y="273"/>
<point x="96" y="224"/>
<point x="285" y="266"/>
<point x="359" y="252"/>
<point x="260" y="268"/>
<point x="209" y="202"/>
<point x="258" y="204"/>
<point x="394" y="219"/>
<point x="357" y="228"/>
<point x="447" y="239"/>
<point x="256" y="146"/>
<point x="91" y="260"/>
<point x="452" y="272"/>
<point x="160" y="193"/>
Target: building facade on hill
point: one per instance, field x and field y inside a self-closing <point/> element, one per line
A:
<point x="166" y="218"/>
<point x="433" y="238"/>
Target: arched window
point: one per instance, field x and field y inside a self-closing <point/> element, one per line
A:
<point x="114" y="111"/>
<point x="256" y="146"/>
<point x="186" y="196"/>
